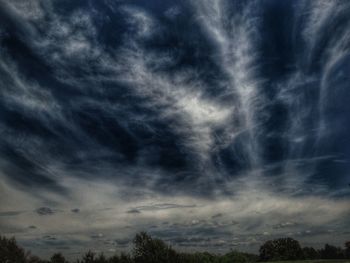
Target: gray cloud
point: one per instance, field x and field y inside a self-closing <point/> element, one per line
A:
<point x="11" y="213"/>
<point x="162" y="206"/>
<point x="122" y="242"/>
<point x="284" y="225"/>
<point x="97" y="236"/>
<point x="205" y="123"/>
<point x="133" y="211"/>
<point x="43" y="211"/>
<point x="217" y="215"/>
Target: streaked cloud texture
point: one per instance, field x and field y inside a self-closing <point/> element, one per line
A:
<point x="211" y="124"/>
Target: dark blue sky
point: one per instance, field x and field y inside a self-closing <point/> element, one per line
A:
<point x="211" y="124"/>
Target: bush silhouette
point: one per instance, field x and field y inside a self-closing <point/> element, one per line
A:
<point x="281" y="249"/>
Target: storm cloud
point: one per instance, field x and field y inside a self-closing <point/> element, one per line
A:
<point x="228" y="120"/>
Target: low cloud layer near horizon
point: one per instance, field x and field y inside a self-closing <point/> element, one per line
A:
<point x="211" y="124"/>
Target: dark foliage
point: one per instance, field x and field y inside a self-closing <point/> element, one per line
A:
<point x="311" y="253"/>
<point x="332" y="252"/>
<point x="149" y="250"/>
<point x="281" y="249"/>
<point x="152" y="250"/>
<point x="58" y="258"/>
<point x="289" y="249"/>
<point x="10" y="252"/>
<point x="347" y="249"/>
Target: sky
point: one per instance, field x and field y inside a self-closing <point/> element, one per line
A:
<point x="212" y="124"/>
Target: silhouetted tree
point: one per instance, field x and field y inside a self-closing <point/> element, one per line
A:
<point x="149" y="250"/>
<point x="311" y="253"/>
<point x="124" y="258"/>
<point x="89" y="257"/>
<point x="58" y="258"/>
<point x="153" y="250"/>
<point x="120" y="259"/>
<point x="331" y="252"/>
<point x="34" y="259"/>
<point x="281" y="249"/>
<point x="101" y="259"/>
<point x="347" y="249"/>
<point x="11" y="252"/>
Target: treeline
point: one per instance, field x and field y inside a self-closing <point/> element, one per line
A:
<point x="290" y="249"/>
<point x="151" y="250"/>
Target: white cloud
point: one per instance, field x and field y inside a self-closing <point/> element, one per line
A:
<point x="143" y="24"/>
<point x="30" y="10"/>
